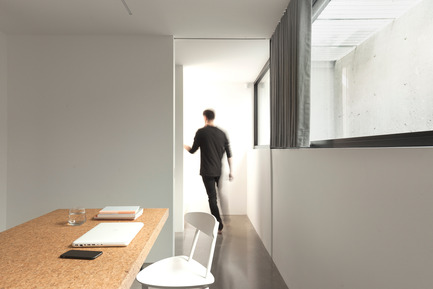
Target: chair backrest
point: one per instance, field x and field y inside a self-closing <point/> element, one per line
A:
<point x="206" y="223"/>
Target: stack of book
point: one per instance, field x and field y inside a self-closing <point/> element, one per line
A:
<point x="119" y="213"/>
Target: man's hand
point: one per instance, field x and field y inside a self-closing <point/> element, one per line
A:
<point x="230" y="177"/>
<point x="188" y="148"/>
<point x="229" y="160"/>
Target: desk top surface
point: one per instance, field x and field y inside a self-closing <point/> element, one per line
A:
<point x="30" y="253"/>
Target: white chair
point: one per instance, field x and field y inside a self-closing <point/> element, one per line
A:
<point x="184" y="271"/>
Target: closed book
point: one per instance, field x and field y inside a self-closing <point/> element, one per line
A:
<point x="119" y="216"/>
<point x="120" y="210"/>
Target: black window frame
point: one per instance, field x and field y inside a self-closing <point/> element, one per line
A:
<point x="259" y="78"/>
<point x="410" y="139"/>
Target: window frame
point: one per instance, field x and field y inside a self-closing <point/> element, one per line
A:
<point x="259" y="78"/>
<point x="410" y="139"/>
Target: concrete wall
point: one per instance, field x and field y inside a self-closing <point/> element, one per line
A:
<point x="353" y="218"/>
<point x="3" y="131"/>
<point x="389" y="78"/>
<point x="90" y="123"/>
<point x="323" y="120"/>
<point x="233" y="104"/>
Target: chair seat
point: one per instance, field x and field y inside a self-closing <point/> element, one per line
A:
<point x="175" y="272"/>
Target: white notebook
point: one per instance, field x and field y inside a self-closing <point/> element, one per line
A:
<point x="109" y="235"/>
<point x="119" y="216"/>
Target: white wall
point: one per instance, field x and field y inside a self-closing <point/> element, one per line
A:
<point x="233" y="104"/>
<point x="90" y="122"/>
<point x="259" y="194"/>
<point x="3" y="131"/>
<point x="178" y="123"/>
<point x="353" y="218"/>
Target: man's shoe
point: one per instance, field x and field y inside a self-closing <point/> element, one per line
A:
<point x="220" y="228"/>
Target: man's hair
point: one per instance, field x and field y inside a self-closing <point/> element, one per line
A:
<point x="209" y="114"/>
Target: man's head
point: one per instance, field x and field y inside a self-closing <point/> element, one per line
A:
<point x="209" y="115"/>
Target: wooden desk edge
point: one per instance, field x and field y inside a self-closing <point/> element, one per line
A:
<point x="130" y="277"/>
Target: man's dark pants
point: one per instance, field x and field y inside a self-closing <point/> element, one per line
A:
<point x="210" y="184"/>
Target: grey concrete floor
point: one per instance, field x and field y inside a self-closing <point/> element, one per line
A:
<point x="240" y="259"/>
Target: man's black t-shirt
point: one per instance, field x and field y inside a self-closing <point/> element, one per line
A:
<point x="213" y="143"/>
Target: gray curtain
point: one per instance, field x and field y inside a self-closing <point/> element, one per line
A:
<point x="290" y="77"/>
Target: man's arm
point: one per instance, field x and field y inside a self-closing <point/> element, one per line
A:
<point x="229" y="160"/>
<point x="229" y="156"/>
<point x="195" y="145"/>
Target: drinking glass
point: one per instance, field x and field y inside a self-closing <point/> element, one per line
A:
<point x="77" y="216"/>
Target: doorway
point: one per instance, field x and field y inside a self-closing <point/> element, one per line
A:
<point x="217" y="74"/>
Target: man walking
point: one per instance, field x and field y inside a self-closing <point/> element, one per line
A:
<point x="212" y="142"/>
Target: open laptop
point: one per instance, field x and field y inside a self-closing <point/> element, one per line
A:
<point x="109" y="235"/>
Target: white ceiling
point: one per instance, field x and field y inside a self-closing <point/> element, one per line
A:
<point x="342" y="26"/>
<point x="181" y="18"/>
<point x="234" y="60"/>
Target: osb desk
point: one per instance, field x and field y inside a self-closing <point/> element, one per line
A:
<point x="29" y="253"/>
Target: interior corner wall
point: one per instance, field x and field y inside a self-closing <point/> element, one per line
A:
<point x="178" y="192"/>
<point x="260" y="194"/>
<point x="353" y="218"/>
<point x="3" y="131"/>
<point x="90" y="123"/>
